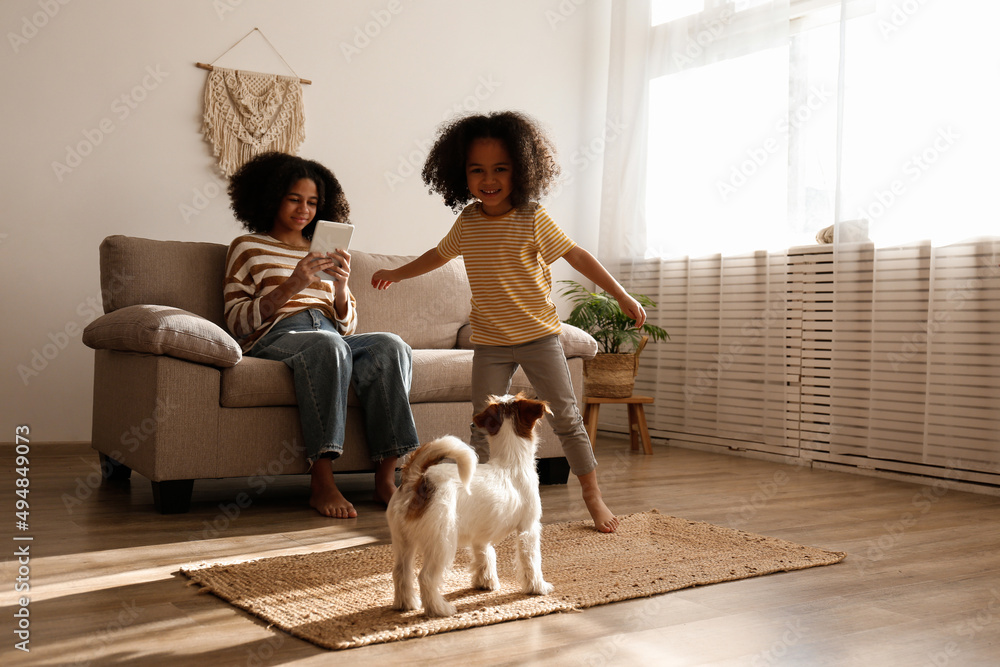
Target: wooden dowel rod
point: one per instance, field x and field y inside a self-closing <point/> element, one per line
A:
<point x="305" y="82"/>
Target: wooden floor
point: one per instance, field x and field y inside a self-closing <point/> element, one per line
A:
<point x="920" y="585"/>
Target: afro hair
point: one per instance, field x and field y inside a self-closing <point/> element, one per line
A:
<point x="534" y="169"/>
<point x="257" y="188"/>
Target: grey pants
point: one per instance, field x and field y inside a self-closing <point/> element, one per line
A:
<point x="544" y="363"/>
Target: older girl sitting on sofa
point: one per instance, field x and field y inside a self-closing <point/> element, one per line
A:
<point x="285" y="303"/>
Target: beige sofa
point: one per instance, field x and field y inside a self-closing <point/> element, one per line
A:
<point x="175" y="400"/>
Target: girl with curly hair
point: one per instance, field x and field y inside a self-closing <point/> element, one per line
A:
<point x="501" y="163"/>
<point x="286" y="303"/>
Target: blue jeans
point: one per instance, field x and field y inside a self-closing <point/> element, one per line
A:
<point x="324" y="364"/>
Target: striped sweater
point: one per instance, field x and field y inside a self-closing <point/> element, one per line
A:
<point x="255" y="265"/>
<point x="507" y="259"/>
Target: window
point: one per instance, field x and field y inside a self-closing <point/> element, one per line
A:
<point x="750" y="149"/>
<point x="664" y="11"/>
<point x="718" y="164"/>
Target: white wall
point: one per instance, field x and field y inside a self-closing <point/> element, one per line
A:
<point x="115" y="81"/>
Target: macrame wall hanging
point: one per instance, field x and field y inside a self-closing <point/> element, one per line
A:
<point x="248" y="113"/>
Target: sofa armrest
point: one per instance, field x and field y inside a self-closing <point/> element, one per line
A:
<point x="576" y="342"/>
<point x="163" y="330"/>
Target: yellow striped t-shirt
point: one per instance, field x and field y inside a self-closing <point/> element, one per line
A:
<point x="255" y="265"/>
<point x="507" y="259"/>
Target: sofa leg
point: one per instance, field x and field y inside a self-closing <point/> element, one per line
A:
<point x="112" y="470"/>
<point x="173" y="496"/>
<point x="554" y="470"/>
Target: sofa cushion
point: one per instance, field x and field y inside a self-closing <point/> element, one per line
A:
<point x="255" y="383"/>
<point x="575" y="341"/>
<point x="182" y="274"/>
<point x="163" y="330"/>
<point x="262" y="383"/>
<point x="445" y="376"/>
<point x="426" y="311"/>
<point x="439" y="376"/>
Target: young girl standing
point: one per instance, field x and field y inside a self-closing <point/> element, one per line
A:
<point x="503" y="162"/>
<point x="281" y="305"/>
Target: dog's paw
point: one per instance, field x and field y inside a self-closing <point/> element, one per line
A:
<point x="486" y="582"/>
<point x="440" y="608"/>
<point x="540" y="588"/>
<point x="406" y="603"/>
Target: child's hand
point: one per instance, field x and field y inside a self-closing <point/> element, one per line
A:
<point x="633" y="309"/>
<point x="383" y="278"/>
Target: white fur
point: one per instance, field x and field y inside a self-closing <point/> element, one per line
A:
<point x="498" y="498"/>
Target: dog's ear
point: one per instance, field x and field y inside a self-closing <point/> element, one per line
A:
<point x="489" y="419"/>
<point x="530" y="411"/>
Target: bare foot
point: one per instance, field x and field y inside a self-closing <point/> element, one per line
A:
<point x="604" y="519"/>
<point x="325" y="497"/>
<point x="385" y="480"/>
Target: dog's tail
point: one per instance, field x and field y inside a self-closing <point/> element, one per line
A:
<point x="432" y="453"/>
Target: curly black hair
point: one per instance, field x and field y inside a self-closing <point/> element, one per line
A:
<point x="257" y="188"/>
<point x="533" y="172"/>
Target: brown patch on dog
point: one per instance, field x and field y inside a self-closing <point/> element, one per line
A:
<point x="524" y="412"/>
<point x="420" y="499"/>
<point x="490" y="419"/>
<point x="422" y="489"/>
<point x="528" y="413"/>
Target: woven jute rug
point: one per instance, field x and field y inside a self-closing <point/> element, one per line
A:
<point x="342" y="599"/>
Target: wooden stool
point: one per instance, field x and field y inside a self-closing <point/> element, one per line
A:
<point x="636" y="419"/>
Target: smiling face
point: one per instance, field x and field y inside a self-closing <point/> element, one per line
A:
<point x="488" y="170"/>
<point x="296" y="211"/>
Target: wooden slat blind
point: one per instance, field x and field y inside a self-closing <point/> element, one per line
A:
<point x="721" y="379"/>
<point x="886" y="359"/>
<point x="916" y="379"/>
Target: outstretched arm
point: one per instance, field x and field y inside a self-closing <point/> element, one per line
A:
<point x="427" y="262"/>
<point x="594" y="271"/>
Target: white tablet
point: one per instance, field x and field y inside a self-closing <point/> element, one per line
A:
<point x="330" y="236"/>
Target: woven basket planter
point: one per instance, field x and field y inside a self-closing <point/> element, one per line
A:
<point x="609" y="375"/>
<point x="612" y="375"/>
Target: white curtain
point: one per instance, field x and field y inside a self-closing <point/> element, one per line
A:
<point x="623" y="217"/>
<point x="705" y="107"/>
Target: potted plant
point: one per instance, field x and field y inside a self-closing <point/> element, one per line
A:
<point x="610" y="374"/>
